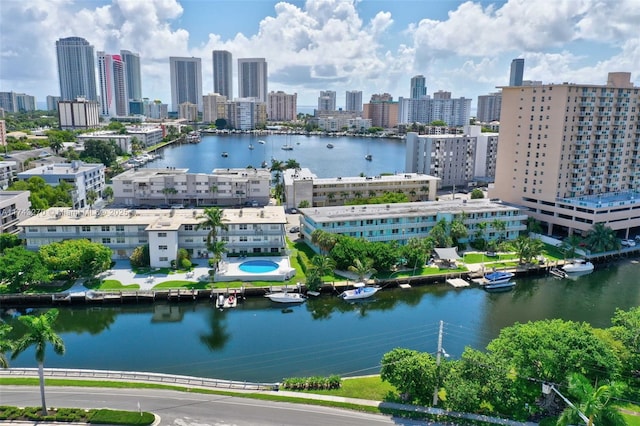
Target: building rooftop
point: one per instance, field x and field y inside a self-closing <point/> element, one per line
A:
<point x="613" y="199"/>
<point x="373" y="211"/>
<point x="379" y="178"/>
<point x="62" y="169"/>
<point x="168" y="219"/>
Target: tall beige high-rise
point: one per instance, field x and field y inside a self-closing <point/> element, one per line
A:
<point x="570" y="153"/>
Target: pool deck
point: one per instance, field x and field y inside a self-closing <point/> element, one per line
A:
<point x="229" y="270"/>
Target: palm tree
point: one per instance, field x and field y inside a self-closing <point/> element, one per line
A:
<point x="425" y="190"/>
<point x="362" y="270"/>
<point x="372" y="193"/>
<point x="602" y="238"/>
<point x="92" y="196"/>
<point x="413" y="194"/>
<point x="595" y="404"/>
<point x="213" y="219"/>
<point x="167" y="192"/>
<point x="5" y="344"/>
<point x="276" y="165"/>
<point x="499" y="227"/>
<point x="292" y="164"/>
<point x="570" y="246"/>
<point x="331" y="196"/>
<point x="320" y="266"/>
<point x="39" y="333"/>
<point x="324" y="240"/>
<point x="357" y="194"/>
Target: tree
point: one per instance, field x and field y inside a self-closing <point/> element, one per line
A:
<point x="626" y="329"/>
<point x="213" y="219"/>
<point x="20" y="268"/>
<point x="324" y="240"/>
<point x="362" y="269"/>
<point x="6" y="345"/>
<point x="104" y="151"/>
<point x="8" y="241"/>
<point x="413" y="373"/>
<point x="221" y="123"/>
<point x="601" y="238"/>
<point x="167" y="192"/>
<point x="92" y="196"/>
<point x="292" y="164"/>
<point x="527" y="248"/>
<point x="107" y="193"/>
<point x="320" y="266"/>
<point x="78" y="258"/>
<point x="39" y="333"/>
<point x="304" y="204"/>
<point x="570" y="245"/>
<point x="595" y="403"/>
<point x="140" y="257"/>
<point x="476" y="194"/>
<point x="424" y="190"/>
<point x="499" y="227"/>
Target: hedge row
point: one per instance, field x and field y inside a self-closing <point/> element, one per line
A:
<point x="312" y="383"/>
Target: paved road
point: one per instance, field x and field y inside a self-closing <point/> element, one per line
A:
<point x="184" y="409"/>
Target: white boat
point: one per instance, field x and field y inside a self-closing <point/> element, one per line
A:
<point x="502" y="286"/>
<point x="225" y="154"/>
<point x="287" y="147"/>
<point x="368" y="157"/>
<point x="264" y="164"/>
<point x="284" y="297"/>
<point x="329" y="145"/>
<point x="498" y="277"/>
<point x="261" y="142"/>
<point x="578" y="265"/>
<point x="558" y="273"/>
<point x="360" y="292"/>
<point x="250" y="146"/>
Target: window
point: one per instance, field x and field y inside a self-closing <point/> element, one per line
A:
<point x="164" y="259"/>
<point x="162" y="234"/>
<point x="119" y="228"/>
<point x="120" y="240"/>
<point x="243" y="238"/>
<point x="188" y="227"/>
<point x="243" y="227"/>
<point x="85" y="228"/>
<point x="162" y="247"/>
<point x="106" y="228"/>
<point x="106" y="241"/>
<point x="51" y="229"/>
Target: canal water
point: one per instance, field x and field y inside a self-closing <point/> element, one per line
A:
<point x="346" y="158"/>
<point x="262" y="341"/>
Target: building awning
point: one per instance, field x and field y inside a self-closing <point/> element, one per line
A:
<point x="450" y="253"/>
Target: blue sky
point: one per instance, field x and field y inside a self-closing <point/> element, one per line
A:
<point x="376" y="46"/>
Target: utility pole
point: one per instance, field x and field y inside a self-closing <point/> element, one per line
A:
<point x="547" y="388"/>
<point x="438" y="355"/>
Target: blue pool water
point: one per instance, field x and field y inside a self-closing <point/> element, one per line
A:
<point x="258" y="266"/>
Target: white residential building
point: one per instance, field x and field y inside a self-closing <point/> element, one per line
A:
<point x="213" y="107"/>
<point x="250" y="231"/>
<point x="224" y="187"/>
<point x="7" y="173"/>
<point x="188" y="111"/>
<point x="282" y="106"/>
<point x="84" y="177"/>
<point x="403" y="221"/>
<point x="14" y="208"/>
<point x="246" y="113"/>
<point x="300" y="185"/>
<point x="327" y="100"/>
<point x="449" y="157"/>
<point x="79" y="114"/>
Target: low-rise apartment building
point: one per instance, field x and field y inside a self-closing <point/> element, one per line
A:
<point x="404" y="221"/>
<point x="14" y="208"/>
<point x="171" y="186"/>
<point x="84" y="177"/>
<point x="301" y="185"/>
<point x="7" y="173"/>
<point x="257" y="231"/>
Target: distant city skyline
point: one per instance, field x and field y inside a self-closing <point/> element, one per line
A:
<point x="465" y="48"/>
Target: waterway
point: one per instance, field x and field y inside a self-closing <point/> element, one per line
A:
<point x="262" y="341"/>
<point x="346" y="158"/>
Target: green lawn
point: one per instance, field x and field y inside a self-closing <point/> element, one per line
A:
<point x="115" y="285"/>
<point x="371" y="387"/>
<point x="181" y="284"/>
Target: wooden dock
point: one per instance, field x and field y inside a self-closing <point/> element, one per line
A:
<point x="458" y="282"/>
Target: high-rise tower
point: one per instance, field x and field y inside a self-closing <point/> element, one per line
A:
<point x="186" y="81"/>
<point x="223" y="73"/>
<point x="76" y="69"/>
<point x="353" y="100"/>
<point x="418" y="87"/>
<point x="517" y="71"/>
<point x="252" y="78"/>
<point x="132" y="74"/>
<point x="114" y="100"/>
<point x="327" y="100"/>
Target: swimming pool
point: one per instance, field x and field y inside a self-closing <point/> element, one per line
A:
<point x="258" y="266"/>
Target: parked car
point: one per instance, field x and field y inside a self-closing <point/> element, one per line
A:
<point x="628" y="243"/>
<point x="294" y="229"/>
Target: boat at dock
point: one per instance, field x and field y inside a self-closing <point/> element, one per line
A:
<point x="498" y="277"/>
<point x="285" y="297"/>
<point x="558" y="273"/>
<point x="227" y="301"/>
<point x="581" y="266"/>
<point x="361" y="291"/>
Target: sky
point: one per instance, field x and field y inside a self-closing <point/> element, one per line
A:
<point x="376" y="46"/>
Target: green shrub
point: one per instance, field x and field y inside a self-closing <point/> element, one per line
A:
<point x="312" y="383"/>
<point x="185" y="263"/>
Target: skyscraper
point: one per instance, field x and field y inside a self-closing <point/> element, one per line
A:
<point x="76" y="69"/>
<point x="132" y="74"/>
<point x="517" y="71"/>
<point x="353" y="100"/>
<point x="327" y="100"/>
<point x="489" y="107"/>
<point x="418" y="87"/>
<point x="223" y="73"/>
<point x="114" y="100"/>
<point x="252" y="78"/>
<point x="574" y="166"/>
<point x="186" y="81"/>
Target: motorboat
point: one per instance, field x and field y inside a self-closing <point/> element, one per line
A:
<point x="361" y="291"/>
<point x="264" y="164"/>
<point x="285" y="297"/>
<point x="498" y="277"/>
<point x="261" y="142"/>
<point x="225" y="154"/>
<point x="501" y="286"/>
<point x="368" y="157"/>
<point x="558" y="273"/>
<point x="578" y="266"/>
<point x="287" y="147"/>
<point x="251" y="146"/>
<point x="329" y="145"/>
